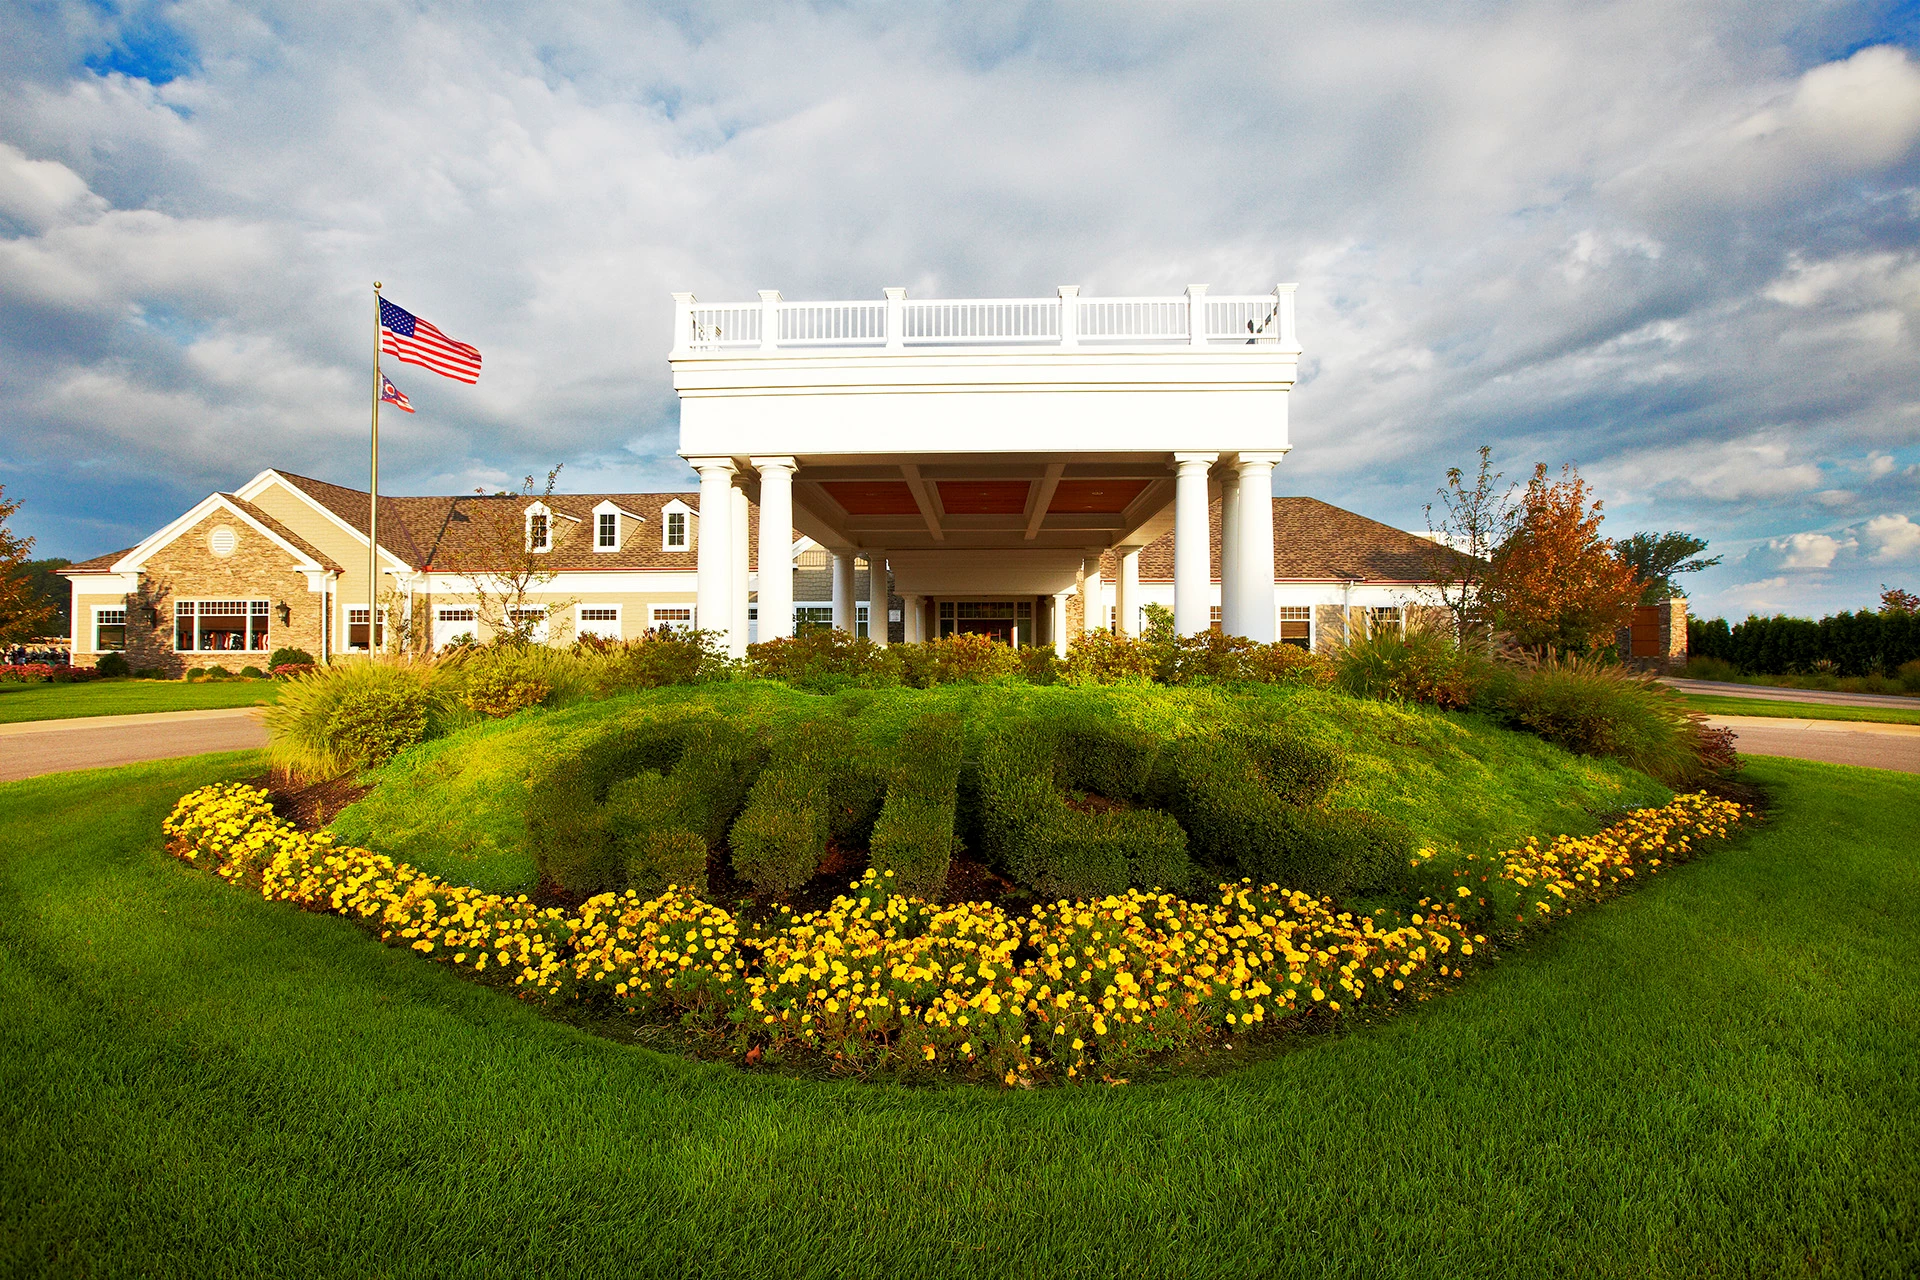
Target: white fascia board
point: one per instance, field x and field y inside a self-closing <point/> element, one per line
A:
<point x="266" y="478"/>
<point x="104" y="584"/>
<point x="135" y="560"/>
<point x="580" y="582"/>
<point x="608" y="504"/>
<point x="321" y="581"/>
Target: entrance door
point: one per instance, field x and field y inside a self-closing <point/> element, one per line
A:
<point x="1000" y="629"/>
<point x="1008" y="621"/>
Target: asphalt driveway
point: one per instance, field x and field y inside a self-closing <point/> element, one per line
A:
<point x="1877" y="746"/>
<point x="35" y="747"/>
<point x="1773" y="693"/>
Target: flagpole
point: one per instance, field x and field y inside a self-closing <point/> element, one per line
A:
<point x="373" y="496"/>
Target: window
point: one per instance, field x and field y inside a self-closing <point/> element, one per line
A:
<point x="1387" y="618"/>
<point x="453" y="624"/>
<point x="530" y="621"/>
<point x="602" y="620"/>
<point x="109" y="629"/>
<point x="1113" y="618"/>
<point x="1007" y="620"/>
<point x="539" y="536"/>
<point x="1296" y="625"/>
<point x="676" y="531"/>
<point x="218" y="626"/>
<point x="357" y="629"/>
<point x="860" y="620"/>
<point x="671" y="618"/>
<point x="1213" y="617"/>
<point x="607" y="531"/>
<point x="811" y="617"/>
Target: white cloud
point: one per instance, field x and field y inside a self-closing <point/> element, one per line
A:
<point x="1893" y="537"/>
<point x="1835" y="497"/>
<point x="1810" y="550"/>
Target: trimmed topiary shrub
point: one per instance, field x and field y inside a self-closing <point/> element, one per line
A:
<point x="913" y="839"/>
<point x="112" y="666"/>
<point x="665" y="824"/>
<point x="284" y="656"/>
<point x="801" y="799"/>
<point x="1094" y="848"/>
<point x="252" y="673"/>
<point x="372" y="722"/>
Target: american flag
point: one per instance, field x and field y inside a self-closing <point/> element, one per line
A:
<point x="390" y="394"/>
<point x="408" y="337"/>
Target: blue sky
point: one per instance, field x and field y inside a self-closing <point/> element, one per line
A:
<point x="1676" y="243"/>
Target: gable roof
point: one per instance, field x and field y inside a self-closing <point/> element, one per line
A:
<point x="303" y="552"/>
<point x="99" y="564"/>
<point x="1313" y="541"/>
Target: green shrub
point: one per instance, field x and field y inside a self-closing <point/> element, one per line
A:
<point x="595" y="810"/>
<point x="1298" y="771"/>
<point x="281" y="657"/>
<point x="1421" y="666"/>
<point x="655" y="660"/>
<point x="112" y="666"/>
<point x="1701" y="667"/>
<point x="1031" y="833"/>
<point x="1039" y="665"/>
<point x="352" y="715"/>
<point x="1596" y="708"/>
<point x="955" y="659"/>
<point x="252" y="673"/>
<point x="194" y="673"/>
<point x="1909" y="676"/>
<point x="822" y="661"/>
<point x="781" y="836"/>
<point x="1103" y="657"/>
<point x="913" y="839"/>
<point x="217" y="672"/>
<point x="501" y="691"/>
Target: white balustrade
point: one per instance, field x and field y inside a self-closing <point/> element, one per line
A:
<point x="1067" y="320"/>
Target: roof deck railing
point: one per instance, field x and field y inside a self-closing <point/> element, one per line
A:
<point x="1194" y="319"/>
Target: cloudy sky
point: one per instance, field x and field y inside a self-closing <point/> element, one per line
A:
<point x="1676" y="243"/>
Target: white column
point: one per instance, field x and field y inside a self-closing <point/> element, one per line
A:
<point x="713" y="599"/>
<point x="877" y="596"/>
<point x="1093" y="598"/>
<point x="914" y="618"/>
<point x="742" y="570"/>
<point x="843" y="619"/>
<point x="1230" y="622"/>
<point x="1192" y="556"/>
<point x="776" y="543"/>
<point x="1254" y="571"/>
<point x="1060" y="599"/>
<point x="1126" y="592"/>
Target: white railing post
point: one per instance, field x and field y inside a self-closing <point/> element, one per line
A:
<point x="1196" y="315"/>
<point x="769" y="319"/>
<point x="682" y="324"/>
<point x="1283" y="304"/>
<point x="896" y="317"/>
<point x="1069" y="315"/>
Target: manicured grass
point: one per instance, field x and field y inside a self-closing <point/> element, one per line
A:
<point x="42" y="701"/>
<point x="1716" y="705"/>
<point x="1710" y="1076"/>
<point x="456" y="806"/>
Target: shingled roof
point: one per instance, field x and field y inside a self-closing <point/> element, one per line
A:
<point x="446" y="533"/>
<point x="1313" y="541"/>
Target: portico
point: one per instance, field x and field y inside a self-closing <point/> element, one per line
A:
<point x="985" y="454"/>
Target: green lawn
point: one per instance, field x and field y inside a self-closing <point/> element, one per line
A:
<point x="127" y="697"/>
<point x="1711" y="1076"/>
<point x="1716" y="705"/>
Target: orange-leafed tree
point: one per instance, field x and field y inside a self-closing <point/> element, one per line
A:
<point x="1555" y="582"/>
<point x="22" y="609"/>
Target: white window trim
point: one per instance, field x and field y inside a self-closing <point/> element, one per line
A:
<point x="538" y="509"/>
<point x="676" y="508"/>
<point x="93" y="636"/>
<point x="580" y="620"/>
<point x="249" y="615"/>
<point x="620" y="516"/>
<point x="654" y="610"/>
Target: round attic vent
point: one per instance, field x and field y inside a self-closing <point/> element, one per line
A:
<point x="222" y="540"/>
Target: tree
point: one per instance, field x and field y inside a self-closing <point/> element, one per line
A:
<point x="24" y="613"/>
<point x="500" y="561"/>
<point x="1894" y="600"/>
<point x="1555" y="582"/>
<point x="1658" y="558"/>
<point x="1475" y="521"/>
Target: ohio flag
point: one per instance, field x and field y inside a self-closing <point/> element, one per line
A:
<point x="390" y="394"/>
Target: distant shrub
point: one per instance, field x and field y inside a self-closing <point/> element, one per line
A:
<point x="194" y="673"/>
<point x="112" y="666"/>
<point x="821" y="660"/>
<point x="216" y="672"/>
<point x="1909" y="676"/>
<point x="1104" y="657"/>
<point x="1290" y="664"/>
<point x="288" y="670"/>
<point x="284" y="656"/>
<point x="1039" y="665"/>
<point x="912" y="844"/>
<point x="654" y="660"/>
<point x="252" y="673"/>
<point x="1421" y="666"/>
<point x="1706" y="668"/>
<point x="955" y="659"/>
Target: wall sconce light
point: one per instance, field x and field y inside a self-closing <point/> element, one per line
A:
<point x="286" y="612"/>
<point x="153" y="616"/>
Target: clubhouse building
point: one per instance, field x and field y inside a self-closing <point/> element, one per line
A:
<point x="1026" y="469"/>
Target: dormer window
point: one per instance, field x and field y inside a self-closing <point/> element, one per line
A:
<point x="539" y="528"/>
<point x="607" y="531"/>
<point x="676" y="531"/>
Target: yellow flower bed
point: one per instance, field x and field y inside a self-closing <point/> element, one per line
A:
<point x="1071" y="991"/>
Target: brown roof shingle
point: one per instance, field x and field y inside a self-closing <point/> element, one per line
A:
<point x="1313" y="541"/>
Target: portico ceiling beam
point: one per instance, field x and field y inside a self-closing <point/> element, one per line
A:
<point x="923" y="498"/>
<point x="828" y="532"/>
<point x="1149" y="517"/>
<point x="1043" y="498"/>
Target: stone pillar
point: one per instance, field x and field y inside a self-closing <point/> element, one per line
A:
<point x="1126" y="593"/>
<point x="1230" y="621"/>
<point x="877" y="596"/>
<point x="843" y="614"/>
<point x="1253" y="569"/>
<point x="1059" y="623"/>
<point x="776" y="543"/>
<point x="742" y="570"/>
<point x="713" y="598"/>
<point x="1192" y="554"/>
<point x="1093" y="603"/>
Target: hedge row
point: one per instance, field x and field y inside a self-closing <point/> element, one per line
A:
<point x="1855" y="644"/>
